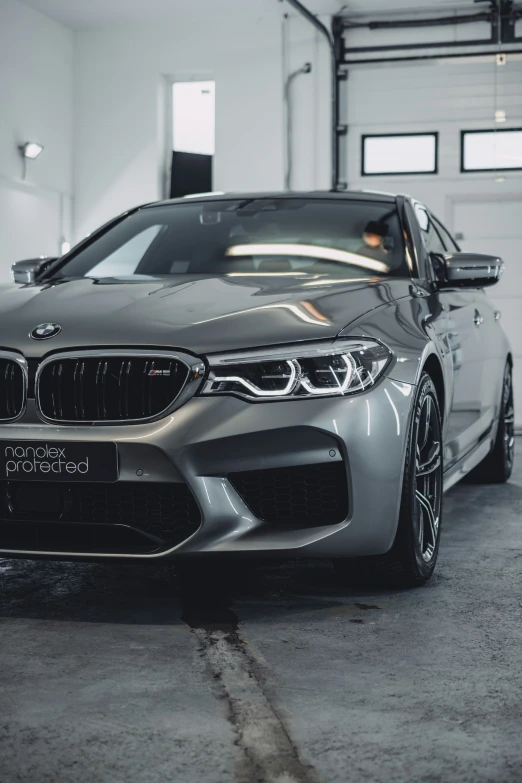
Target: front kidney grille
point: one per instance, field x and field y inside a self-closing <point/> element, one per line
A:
<point x="109" y="388"/>
<point x="303" y="496"/>
<point x="12" y="389"/>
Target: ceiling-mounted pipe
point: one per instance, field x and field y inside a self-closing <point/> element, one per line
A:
<point x="306" y="68"/>
<point x="334" y="88"/>
<point x="485" y="16"/>
<point x="426" y="45"/>
<point x="484" y="53"/>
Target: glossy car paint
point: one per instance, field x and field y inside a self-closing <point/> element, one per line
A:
<point x="472" y="359"/>
<point x="204" y="439"/>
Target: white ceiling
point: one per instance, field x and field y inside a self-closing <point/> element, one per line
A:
<point x="84" y="14"/>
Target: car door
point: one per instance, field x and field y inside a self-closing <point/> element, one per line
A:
<point x="465" y="423"/>
<point x="492" y="344"/>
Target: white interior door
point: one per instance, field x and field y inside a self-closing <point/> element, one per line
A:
<point x="495" y="227"/>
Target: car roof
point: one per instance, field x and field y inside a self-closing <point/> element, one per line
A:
<point x="346" y="195"/>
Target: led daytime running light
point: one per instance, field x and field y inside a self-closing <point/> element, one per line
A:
<point x="259" y="392"/>
<point x="321" y="369"/>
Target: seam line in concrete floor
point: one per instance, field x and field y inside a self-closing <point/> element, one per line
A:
<point x="239" y="676"/>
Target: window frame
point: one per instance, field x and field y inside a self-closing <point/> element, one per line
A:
<point x="464" y="133"/>
<point x="426" y="264"/>
<point x="420" y="271"/>
<point x="364" y="136"/>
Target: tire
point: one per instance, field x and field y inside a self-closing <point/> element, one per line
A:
<point x="497" y="467"/>
<point x="411" y="560"/>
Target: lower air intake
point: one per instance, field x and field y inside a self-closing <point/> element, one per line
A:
<point x="168" y="513"/>
<point x="308" y="495"/>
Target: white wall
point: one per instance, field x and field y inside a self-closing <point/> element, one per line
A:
<point x="122" y="91"/>
<point x="120" y="103"/>
<point x="36" y="98"/>
<point x="121" y="126"/>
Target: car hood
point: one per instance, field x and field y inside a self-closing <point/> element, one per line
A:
<point x="198" y="314"/>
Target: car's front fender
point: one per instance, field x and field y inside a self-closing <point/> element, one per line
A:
<point x="415" y="329"/>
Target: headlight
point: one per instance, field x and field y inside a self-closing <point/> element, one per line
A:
<point x="315" y="370"/>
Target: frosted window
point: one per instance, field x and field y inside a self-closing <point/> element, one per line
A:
<point x="491" y="150"/>
<point x="413" y="154"/>
<point x="193" y="117"/>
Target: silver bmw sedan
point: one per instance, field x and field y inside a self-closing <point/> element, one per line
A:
<point x="299" y="375"/>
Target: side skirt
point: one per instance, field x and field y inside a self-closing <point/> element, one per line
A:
<point x="467" y="463"/>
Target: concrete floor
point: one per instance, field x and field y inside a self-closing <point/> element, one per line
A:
<point x="114" y="674"/>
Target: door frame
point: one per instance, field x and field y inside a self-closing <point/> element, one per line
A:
<point x="165" y="122"/>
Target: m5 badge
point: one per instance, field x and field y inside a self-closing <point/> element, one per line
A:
<point x="160" y="372"/>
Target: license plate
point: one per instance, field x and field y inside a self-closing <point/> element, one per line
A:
<point x="39" y="460"/>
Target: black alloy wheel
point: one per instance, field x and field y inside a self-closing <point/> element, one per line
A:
<point x="507" y="421"/>
<point x="428" y="478"/>
<point x="412" y="557"/>
<point x="497" y="467"/>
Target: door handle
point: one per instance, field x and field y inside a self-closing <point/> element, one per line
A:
<point x="478" y="319"/>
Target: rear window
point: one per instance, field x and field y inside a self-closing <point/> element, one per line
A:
<point x="249" y="237"/>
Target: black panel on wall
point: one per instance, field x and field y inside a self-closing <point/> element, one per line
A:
<point x="191" y="173"/>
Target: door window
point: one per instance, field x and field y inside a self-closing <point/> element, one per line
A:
<point x="430" y="237"/>
<point x="451" y="245"/>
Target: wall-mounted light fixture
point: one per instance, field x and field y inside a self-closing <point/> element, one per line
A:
<point x="29" y="150"/>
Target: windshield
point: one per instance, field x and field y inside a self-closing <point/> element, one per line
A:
<point x="250" y="237"/>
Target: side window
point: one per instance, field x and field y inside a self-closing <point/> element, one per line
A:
<point x="448" y="240"/>
<point x="430" y="237"/>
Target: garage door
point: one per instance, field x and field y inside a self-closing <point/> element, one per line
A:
<point x="496" y="227"/>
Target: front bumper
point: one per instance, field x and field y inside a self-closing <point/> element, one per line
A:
<point x="207" y="439"/>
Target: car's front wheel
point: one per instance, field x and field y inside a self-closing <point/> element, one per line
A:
<point x="411" y="560"/>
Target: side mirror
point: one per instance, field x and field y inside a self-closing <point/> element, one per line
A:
<point x="29" y="270"/>
<point x="466" y="270"/>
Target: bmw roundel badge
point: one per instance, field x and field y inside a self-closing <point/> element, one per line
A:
<point x="45" y="331"/>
